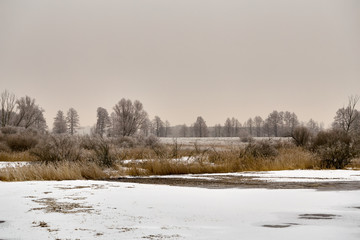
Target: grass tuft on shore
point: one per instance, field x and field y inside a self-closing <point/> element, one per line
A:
<point x="53" y="171"/>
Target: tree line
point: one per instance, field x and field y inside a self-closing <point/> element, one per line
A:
<point x="129" y="118"/>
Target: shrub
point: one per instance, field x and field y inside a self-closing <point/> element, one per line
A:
<point x="125" y="142"/>
<point x="152" y="141"/>
<point x="301" y="136"/>
<point x="21" y="142"/>
<point x="261" y="149"/>
<point x="246" y="139"/>
<point x="334" y="148"/>
<point x="57" y="148"/>
<point x="103" y="152"/>
<point x="9" y="130"/>
<point x="4" y="147"/>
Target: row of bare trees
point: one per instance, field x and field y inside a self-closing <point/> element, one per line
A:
<point x="129" y="118"/>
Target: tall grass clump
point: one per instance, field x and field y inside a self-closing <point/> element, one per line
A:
<point x="53" y="171"/>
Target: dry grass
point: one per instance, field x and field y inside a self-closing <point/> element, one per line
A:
<point x="16" y="157"/>
<point x="355" y="163"/>
<point x="233" y="160"/>
<point x="59" y="171"/>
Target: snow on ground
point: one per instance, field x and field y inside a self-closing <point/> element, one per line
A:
<point x="12" y="164"/>
<point x="114" y="210"/>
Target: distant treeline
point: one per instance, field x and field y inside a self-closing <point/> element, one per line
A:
<point x="129" y="118"/>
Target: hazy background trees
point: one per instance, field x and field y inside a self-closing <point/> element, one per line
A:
<point x="72" y="120"/>
<point x="129" y="118"/>
<point x="102" y="122"/>
<point x="59" y="126"/>
<point x="200" y="128"/>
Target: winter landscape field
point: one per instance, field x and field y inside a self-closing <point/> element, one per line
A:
<point x="125" y="210"/>
<point x="179" y="120"/>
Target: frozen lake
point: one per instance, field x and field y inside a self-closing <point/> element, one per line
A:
<point x="115" y="210"/>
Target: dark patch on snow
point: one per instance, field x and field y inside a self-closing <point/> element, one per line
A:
<point x="318" y="216"/>
<point x="283" y="225"/>
<point x="276" y="225"/>
<point x="2" y="222"/>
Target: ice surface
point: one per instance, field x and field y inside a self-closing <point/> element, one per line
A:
<point x="111" y="210"/>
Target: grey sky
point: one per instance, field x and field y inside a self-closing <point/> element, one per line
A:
<point x="183" y="58"/>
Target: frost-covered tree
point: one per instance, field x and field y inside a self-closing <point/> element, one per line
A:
<point x="72" y="120"/>
<point x="145" y="127"/>
<point x="250" y="126"/>
<point x="275" y="121"/>
<point x="129" y="117"/>
<point x="313" y="126"/>
<point x="7" y="103"/>
<point x="258" y="123"/>
<point x="290" y="123"/>
<point x="236" y="125"/>
<point x="59" y="126"/>
<point x="167" y="128"/>
<point x="184" y="130"/>
<point x="29" y="113"/>
<point x="103" y="121"/>
<point x="217" y="130"/>
<point x="227" y="128"/>
<point x="200" y="128"/>
<point x="158" y="127"/>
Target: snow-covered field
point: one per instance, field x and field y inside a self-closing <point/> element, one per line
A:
<point x="114" y="210"/>
<point x="209" y="141"/>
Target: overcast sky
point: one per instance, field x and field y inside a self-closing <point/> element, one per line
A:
<point x="183" y="58"/>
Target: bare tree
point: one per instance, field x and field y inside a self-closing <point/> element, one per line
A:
<point x="7" y="102"/>
<point x="183" y="130"/>
<point x="59" y="126"/>
<point x="158" y="127"/>
<point x="200" y="128"/>
<point x="313" y="126"/>
<point x="129" y="117"/>
<point x="258" y="123"/>
<point x="217" y="130"/>
<point x="145" y="127"/>
<point x="236" y="125"/>
<point x="250" y="125"/>
<point x="227" y="128"/>
<point x="167" y="129"/>
<point x="72" y="120"/>
<point x="103" y="121"/>
<point x="28" y="112"/>
<point x="290" y="123"/>
<point x="346" y="118"/>
<point x="275" y="121"/>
